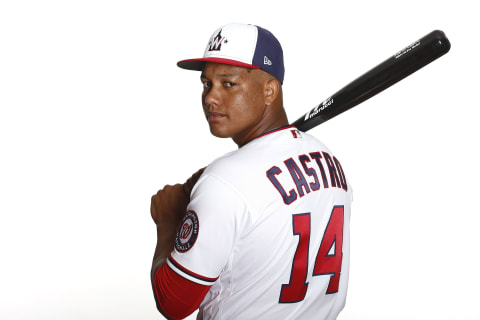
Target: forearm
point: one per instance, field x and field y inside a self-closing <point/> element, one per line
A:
<point x="165" y="243"/>
<point x="168" y="208"/>
<point x="159" y="258"/>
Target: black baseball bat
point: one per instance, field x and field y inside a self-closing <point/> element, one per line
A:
<point x="399" y="66"/>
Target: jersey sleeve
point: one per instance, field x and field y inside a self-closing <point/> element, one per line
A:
<point x="176" y="296"/>
<point x="204" y="243"/>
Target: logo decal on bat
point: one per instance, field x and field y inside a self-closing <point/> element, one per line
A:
<point x="322" y="106"/>
<point x="407" y="49"/>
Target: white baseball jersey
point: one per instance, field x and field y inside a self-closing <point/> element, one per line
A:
<point x="268" y="228"/>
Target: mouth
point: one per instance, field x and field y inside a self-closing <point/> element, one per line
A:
<point x="211" y="116"/>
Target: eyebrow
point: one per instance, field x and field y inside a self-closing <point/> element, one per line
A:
<point x="220" y="75"/>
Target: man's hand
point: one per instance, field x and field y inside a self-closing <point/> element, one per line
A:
<point x="168" y="208"/>
<point x="170" y="204"/>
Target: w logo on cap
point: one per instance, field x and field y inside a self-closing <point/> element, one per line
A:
<point x="243" y="45"/>
<point x="216" y="43"/>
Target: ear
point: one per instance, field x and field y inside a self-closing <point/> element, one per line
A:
<point x="272" y="90"/>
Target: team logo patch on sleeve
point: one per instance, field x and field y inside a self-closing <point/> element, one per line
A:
<point x="187" y="235"/>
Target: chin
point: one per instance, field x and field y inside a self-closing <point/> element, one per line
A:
<point x="220" y="133"/>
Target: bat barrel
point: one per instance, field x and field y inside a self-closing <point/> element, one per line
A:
<point x="399" y="66"/>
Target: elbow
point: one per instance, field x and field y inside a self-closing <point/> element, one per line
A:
<point x="167" y="316"/>
<point x="169" y="303"/>
<point x="172" y="313"/>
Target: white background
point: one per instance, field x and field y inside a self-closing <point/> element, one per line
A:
<point x="95" y="117"/>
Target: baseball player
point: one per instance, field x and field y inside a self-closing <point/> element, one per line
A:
<point x="262" y="232"/>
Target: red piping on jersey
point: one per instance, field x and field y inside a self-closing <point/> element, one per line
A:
<point x="276" y="130"/>
<point x="190" y="273"/>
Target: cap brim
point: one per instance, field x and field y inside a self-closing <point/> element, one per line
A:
<point x="197" y="64"/>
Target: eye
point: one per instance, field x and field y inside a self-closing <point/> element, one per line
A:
<point x="229" y="84"/>
<point x="206" y="84"/>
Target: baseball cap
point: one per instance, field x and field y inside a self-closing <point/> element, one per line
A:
<point x="243" y="45"/>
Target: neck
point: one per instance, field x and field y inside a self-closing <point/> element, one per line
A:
<point x="268" y="123"/>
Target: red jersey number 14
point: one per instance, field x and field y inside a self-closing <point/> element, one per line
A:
<point x="327" y="262"/>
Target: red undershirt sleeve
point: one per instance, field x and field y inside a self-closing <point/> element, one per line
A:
<point x="176" y="296"/>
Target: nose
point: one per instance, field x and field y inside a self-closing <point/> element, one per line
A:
<point x="211" y="96"/>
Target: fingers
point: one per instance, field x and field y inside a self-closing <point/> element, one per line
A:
<point x="169" y="204"/>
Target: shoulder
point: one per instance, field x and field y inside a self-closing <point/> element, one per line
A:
<point x="253" y="159"/>
<point x="233" y="165"/>
<point x="312" y="140"/>
<point x="220" y="179"/>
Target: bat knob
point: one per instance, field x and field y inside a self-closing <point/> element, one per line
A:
<point x="440" y="41"/>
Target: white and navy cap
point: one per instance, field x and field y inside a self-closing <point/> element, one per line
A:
<point x="242" y="45"/>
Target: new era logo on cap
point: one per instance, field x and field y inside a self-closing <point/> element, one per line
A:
<point x="242" y="45"/>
